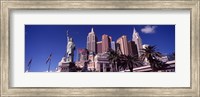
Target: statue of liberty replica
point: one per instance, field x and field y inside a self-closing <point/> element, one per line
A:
<point x="70" y="49"/>
<point x="67" y="62"/>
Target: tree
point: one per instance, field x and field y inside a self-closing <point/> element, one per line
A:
<point x="152" y="56"/>
<point x="72" y="67"/>
<point x="122" y="63"/>
<point x="85" y="67"/>
<point x="129" y="62"/>
<point x="114" y="59"/>
<point x="133" y="61"/>
<point x="172" y="56"/>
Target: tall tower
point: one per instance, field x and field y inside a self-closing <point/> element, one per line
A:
<point x="132" y="48"/>
<point x="99" y="47"/>
<point x="106" y="41"/>
<point x="91" y="41"/>
<point x="113" y="45"/>
<point x="138" y="41"/>
<point x="123" y="44"/>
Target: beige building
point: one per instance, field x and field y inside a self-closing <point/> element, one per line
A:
<point x="106" y="43"/>
<point x="132" y="48"/>
<point x="91" y="63"/>
<point x="147" y="68"/>
<point x="91" y="41"/>
<point x="102" y="63"/>
<point x="138" y="41"/>
<point x="123" y="44"/>
<point x="99" y="47"/>
<point x="63" y="66"/>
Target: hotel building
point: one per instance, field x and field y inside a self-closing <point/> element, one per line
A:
<point x="91" y="41"/>
<point x="113" y="45"/>
<point x="82" y="54"/>
<point x="99" y="47"/>
<point x="138" y="41"/>
<point x="106" y="42"/>
<point x="132" y="48"/>
<point x="123" y="45"/>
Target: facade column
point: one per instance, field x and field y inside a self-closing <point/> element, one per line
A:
<point x="104" y="67"/>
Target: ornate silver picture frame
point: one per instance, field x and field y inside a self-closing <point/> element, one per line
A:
<point x="8" y="5"/>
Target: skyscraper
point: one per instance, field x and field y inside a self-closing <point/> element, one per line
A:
<point x="106" y="41"/>
<point x="99" y="47"/>
<point x="113" y="47"/>
<point x="123" y="44"/>
<point x="91" y="41"/>
<point x="132" y="48"/>
<point x="138" y="41"/>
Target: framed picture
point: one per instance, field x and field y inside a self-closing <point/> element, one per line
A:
<point x="100" y="48"/>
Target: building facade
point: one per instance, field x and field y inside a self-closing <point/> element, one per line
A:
<point x="113" y="45"/>
<point x="106" y="41"/>
<point x="86" y="60"/>
<point x="132" y="48"/>
<point x="91" y="41"/>
<point x="91" y="63"/>
<point x="64" y="66"/>
<point x="147" y="68"/>
<point x="123" y="44"/>
<point x="82" y="55"/>
<point x="138" y="41"/>
<point x="102" y="64"/>
<point x="99" y="47"/>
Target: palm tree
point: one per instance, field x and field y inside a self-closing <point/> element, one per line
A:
<point x="128" y="62"/>
<point x="114" y="59"/>
<point x="85" y="67"/>
<point x="133" y="61"/>
<point x="172" y="56"/>
<point x="152" y="56"/>
<point x="122" y="62"/>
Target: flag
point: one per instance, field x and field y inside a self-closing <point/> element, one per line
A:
<point x="29" y="63"/>
<point x="64" y="55"/>
<point x="49" y="58"/>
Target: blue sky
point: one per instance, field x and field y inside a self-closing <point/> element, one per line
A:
<point x="42" y="40"/>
